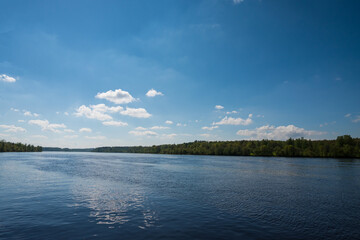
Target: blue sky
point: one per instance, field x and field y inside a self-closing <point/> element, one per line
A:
<point x="99" y="73"/>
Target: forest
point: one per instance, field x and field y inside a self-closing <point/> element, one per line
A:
<point x="343" y="147"/>
<point x="18" y="147"/>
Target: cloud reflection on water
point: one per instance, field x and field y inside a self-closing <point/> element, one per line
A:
<point x="114" y="203"/>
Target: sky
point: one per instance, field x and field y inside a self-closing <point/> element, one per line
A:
<point x="122" y="73"/>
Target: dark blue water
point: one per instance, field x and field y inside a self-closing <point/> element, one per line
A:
<point x="139" y="196"/>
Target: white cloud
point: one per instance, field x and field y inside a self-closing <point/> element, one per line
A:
<point x="14" y="109"/>
<point x="348" y="115"/>
<point x="66" y="113"/>
<point x="143" y="133"/>
<point x="27" y="113"/>
<point x="30" y="114"/>
<point x="232" y="112"/>
<point x="4" y="135"/>
<point x="235" y="121"/>
<point x="6" y="78"/>
<point x="118" y="96"/>
<point x="181" y="124"/>
<point x="96" y="137"/>
<point x="71" y="136"/>
<point x="115" y="123"/>
<point x="278" y="133"/>
<point x="85" y="130"/>
<point x="237" y="1"/>
<point x="140" y="128"/>
<point x="159" y="128"/>
<point x="103" y="108"/>
<point x="69" y="130"/>
<point x="12" y="128"/>
<point x="152" y="93"/>
<point x="21" y="121"/>
<point x="92" y="113"/>
<point x="136" y="112"/>
<point x="357" y="119"/>
<point x="209" y="128"/>
<point x="98" y="111"/>
<point x="169" y="122"/>
<point x="45" y="125"/>
<point x="219" y="107"/>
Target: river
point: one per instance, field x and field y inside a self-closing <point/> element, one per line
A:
<point x="59" y="195"/>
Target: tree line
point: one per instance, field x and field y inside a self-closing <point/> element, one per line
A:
<point x="343" y="147"/>
<point x="18" y="147"/>
<point x="57" y="149"/>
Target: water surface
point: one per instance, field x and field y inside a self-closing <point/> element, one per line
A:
<point x="55" y="195"/>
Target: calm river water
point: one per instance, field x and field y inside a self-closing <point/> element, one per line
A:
<point x="54" y="195"/>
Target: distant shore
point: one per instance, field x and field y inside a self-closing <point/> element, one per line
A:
<point x="343" y="147"/>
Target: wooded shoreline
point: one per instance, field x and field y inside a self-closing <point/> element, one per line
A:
<point x="18" y="147"/>
<point x="343" y="147"/>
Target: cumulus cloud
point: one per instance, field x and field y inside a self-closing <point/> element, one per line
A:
<point x="348" y="115"/>
<point x="219" y="107"/>
<point x="14" y="109"/>
<point x="136" y="112"/>
<point x="90" y="112"/>
<point x="12" y="128"/>
<point x="140" y="128"/>
<point x="278" y="133"/>
<point x="46" y="126"/>
<point x="100" y="112"/>
<point x="235" y="121"/>
<point x="209" y="128"/>
<point x="95" y="137"/>
<point x="85" y="130"/>
<point x="143" y="133"/>
<point x="30" y="114"/>
<point x="152" y="93"/>
<point x="103" y="108"/>
<point x="232" y="112"/>
<point x="169" y="122"/>
<point x="118" y="96"/>
<point x="159" y="128"/>
<point x="27" y="113"/>
<point x="6" y="78"/>
<point x="115" y="123"/>
<point x="181" y="124"/>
